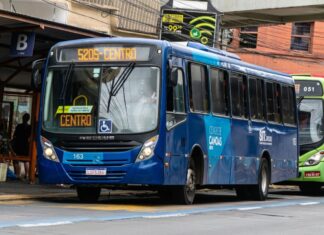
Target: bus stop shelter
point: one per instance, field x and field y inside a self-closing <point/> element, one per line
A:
<point x="17" y="32"/>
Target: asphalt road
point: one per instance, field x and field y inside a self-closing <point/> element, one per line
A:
<point x="286" y="211"/>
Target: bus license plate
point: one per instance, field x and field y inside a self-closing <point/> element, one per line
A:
<point x="312" y="174"/>
<point x="96" y="171"/>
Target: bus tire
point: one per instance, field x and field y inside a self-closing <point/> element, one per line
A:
<point x="311" y="188"/>
<point x="260" y="191"/>
<point x="88" y="194"/>
<point x="185" y="194"/>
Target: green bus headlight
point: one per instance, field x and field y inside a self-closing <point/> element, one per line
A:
<point x="314" y="159"/>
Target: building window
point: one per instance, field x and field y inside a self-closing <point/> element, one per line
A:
<point x="248" y="37"/>
<point x="301" y="36"/>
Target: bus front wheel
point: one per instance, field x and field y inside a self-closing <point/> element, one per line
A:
<point x="88" y="194"/>
<point x="185" y="194"/>
<point x="260" y="191"/>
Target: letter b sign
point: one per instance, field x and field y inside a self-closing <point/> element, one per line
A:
<point x="22" y="44"/>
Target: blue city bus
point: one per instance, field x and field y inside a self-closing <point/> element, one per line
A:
<point x="123" y="112"/>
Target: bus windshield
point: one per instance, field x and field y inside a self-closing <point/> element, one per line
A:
<point x="101" y="100"/>
<point x="310" y="121"/>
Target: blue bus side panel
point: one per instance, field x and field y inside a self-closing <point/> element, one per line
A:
<point x="235" y="148"/>
<point x="284" y="150"/>
<point x="245" y="153"/>
<point x="197" y="137"/>
<point x="176" y="146"/>
<point x="219" y="149"/>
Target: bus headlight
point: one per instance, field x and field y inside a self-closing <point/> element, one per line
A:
<point x="315" y="159"/>
<point x="48" y="150"/>
<point x="147" y="149"/>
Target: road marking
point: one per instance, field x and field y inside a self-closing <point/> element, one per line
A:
<point x="249" y="208"/>
<point x="164" y="216"/>
<point x="110" y="207"/>
<point x="309" y="203"/>
<point x="44" y="224"/>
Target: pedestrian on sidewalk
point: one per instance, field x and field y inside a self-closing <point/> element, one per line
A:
<point x="20" y="144"/>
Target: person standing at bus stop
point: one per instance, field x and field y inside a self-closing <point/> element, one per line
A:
<point x="20" y="144"/>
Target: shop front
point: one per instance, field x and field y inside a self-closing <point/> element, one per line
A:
<point x="24" y="39"/>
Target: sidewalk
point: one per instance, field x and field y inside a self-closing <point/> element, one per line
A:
<point x="19" y="190"/>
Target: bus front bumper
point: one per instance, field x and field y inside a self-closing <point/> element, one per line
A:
<point x="148" y="172"/>
<point x="310" y="174"/>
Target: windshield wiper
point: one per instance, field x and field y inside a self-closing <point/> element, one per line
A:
<point x="115" y="87"/>
<point x="66" y="82"/>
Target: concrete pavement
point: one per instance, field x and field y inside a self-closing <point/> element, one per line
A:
<point x="23" y="190"/>
<point x="19" y="190"/>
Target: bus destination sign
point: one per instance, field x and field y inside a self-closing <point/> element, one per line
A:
<point x="104" y="54"/>
<point x="308" y="88"/>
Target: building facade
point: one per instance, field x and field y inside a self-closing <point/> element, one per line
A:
<point x="294" y="48"/>
<point x="133" y="18"/>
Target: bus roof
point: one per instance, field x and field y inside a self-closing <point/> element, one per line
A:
<point x="308" y="76"/>
<point x="196" y="52"/>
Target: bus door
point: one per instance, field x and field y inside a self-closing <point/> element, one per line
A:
<point x="176" y="125"/>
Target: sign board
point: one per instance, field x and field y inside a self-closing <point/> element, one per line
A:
<point x="184" y="25"/>
<point x="22" y="44"/>
<point x="104" y="126"/>
<point x="308" y="88"/>
<point x="103" y="53"/>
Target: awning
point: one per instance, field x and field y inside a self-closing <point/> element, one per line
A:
<point x="15" y="71"/>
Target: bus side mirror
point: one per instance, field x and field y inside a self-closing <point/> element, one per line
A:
<point x="36" y="79"/>
<point x="174" y="77"/>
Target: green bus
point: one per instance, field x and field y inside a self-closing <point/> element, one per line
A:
<point x="310" y="99"/>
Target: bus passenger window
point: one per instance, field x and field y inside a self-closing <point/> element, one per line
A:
<point x="270" y="102"/>
<point x="238" y="94"/>
<point x="292" y="106"/>
<point x="277" y="103"/>
<point x="260" y="100"/>
<point x="175" y="101"/>
<point x="219" y="91"/>
<point x="253" y="98"/>
<point x="175" y="95"/>
<point x="288" y="105"/>
<point x="198" y="89"/>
